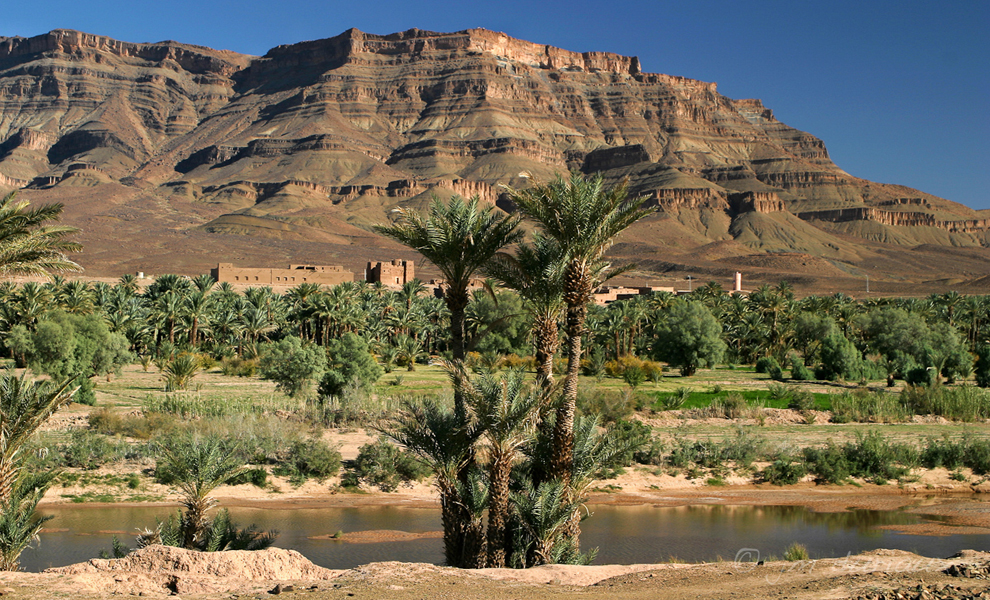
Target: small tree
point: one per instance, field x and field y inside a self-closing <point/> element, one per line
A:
<point x="840" y="358"/>
<point x="293" y="365"/>
<point x="349" y="360"/>
<point x="690" y="337"/>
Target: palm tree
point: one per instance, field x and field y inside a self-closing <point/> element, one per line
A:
<point x="584" y="218"/>
<point x="24" y="407"/>
<point x="29" y="244"/>
<point x="442" y="440"/>
<point x="458" y="237"/>
<point x="536" y="273"/>
<point x="505" y="413"/>
<point x="198" y="469"/>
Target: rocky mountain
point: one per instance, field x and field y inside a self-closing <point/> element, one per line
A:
<point x="174" y="157"/>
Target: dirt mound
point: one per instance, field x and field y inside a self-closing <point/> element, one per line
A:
<point x="164" y="569"/>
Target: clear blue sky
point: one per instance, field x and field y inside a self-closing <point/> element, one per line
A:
<point x="898" y="90"/>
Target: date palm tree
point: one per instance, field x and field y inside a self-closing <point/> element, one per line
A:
<point x="536" y="273"/>
<point x="584" y="218"/>
<point x="505" y="413"/>
<point x="29" y="243"/>
<point x="199" y="468"/>
<point x="458" y="237"/>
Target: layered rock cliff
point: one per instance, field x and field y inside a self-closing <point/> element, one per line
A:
<point x="331" y="135"/>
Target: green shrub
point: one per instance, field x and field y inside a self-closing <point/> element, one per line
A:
<point x="783" y="472"/>
<point x="240" y="367"/>
<point x="89" y="450"/>
<point x="799" y="371"/>
<point x="313" y="458"/>
<point x="674" y="401"/>
<point x="256" y="476"/>
<point x="982" y="367"/>
<point x="862" y="406"/>
<point x="765" y="363"/>
<point x="828" y="464"/>
<point x="386" y="466"/>
<point x="871" y="456"/>
<point x="292" y="364"/>
<point x="632" y="436"/>
<point x="612" y="406"/>
<point x="796" y="552"/>
<point x="944" y="453"/>
<point x="964" y="403"/>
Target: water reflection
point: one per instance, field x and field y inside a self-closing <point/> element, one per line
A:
<point x="623" y="534"/>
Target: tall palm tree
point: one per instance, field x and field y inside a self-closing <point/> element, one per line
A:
<point x="458" y="237"/>
<point x="29" y="243"/>
<point x="536" y="272"/>
<point x="584" y="217"/>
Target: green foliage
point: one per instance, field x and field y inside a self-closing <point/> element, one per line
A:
<point x="313" y="458"/>
<point x="871" y="456"/>
<point x="765" y="364"/>
<point x="350" y="361"/>
<point x="963" y="403"/>
<point x="292" y="364"/>
<point x="689" y="337"/>
<point x="800" y="372"/>
<point x="179" y="372"/>
<point x="840" y="359"/>
<point x="862" y="406"/>
<point x="386" y="466"/>
<point x="219" y="534"/>
<point x="19" y="524"/>
<point x="65" y="345"/>
<point x="982" y="367"/>
<point x="796" y="552"/>
<point x="828" y="464"/>
<point x="783" y="472"/>
<point x="674" y="401"/>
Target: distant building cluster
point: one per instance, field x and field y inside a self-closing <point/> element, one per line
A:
<point x="395" y="274"/>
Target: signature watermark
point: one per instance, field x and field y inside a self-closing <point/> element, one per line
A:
<point x="748" y="559"/>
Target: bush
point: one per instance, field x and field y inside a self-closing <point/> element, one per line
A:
<point x="292" y="365"/>
<point x="612" y="406"/>
<point x="796" y="552"/>
<point x="828" y="464"/>
<point x="633" y="436"/>
<point x="944" y="453"/>
<point x="765" y="363"/>
<point x="783" y="472"/>
<point x="313" y="458"/>
<point x="351" y="361"/>
<point x="799" y="371"/>
<point x="674" y="401"/>
<point x="690" y="337"/>
<point x="964" y="403"/>
<point x="871" y="456"/>
<point x="241" y="367"/>
<point x="386" y="466"/>
<point x="982" y="367"/>
<point x="731" y="406"/>
<point x="862" y="406"/>
<point x="840" y="359"/>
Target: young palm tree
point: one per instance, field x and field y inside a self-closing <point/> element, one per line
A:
<point x="583" y="217"/>
<point x="536" y="272"/>
<point x="29" y="244"/>
<point x="24" y="407"/>
<point x="198" y="469"/>
<point x="505" y="413"/>
<point x="441" y="439"/>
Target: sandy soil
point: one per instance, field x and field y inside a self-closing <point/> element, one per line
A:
<point x="162" y="572"/>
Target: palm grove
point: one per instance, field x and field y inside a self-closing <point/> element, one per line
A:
<point x="512" y="460"/>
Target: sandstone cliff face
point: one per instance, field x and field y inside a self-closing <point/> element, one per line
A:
<point x="346" y="128"/>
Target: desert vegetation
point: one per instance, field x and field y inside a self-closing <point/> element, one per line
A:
<point x="513" y="400"/>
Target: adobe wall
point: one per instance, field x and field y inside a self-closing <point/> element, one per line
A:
<point x="395" y="273"/>
<point x="294" y="275"/>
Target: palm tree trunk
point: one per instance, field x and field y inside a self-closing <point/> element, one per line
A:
<point x="498" y="509"/>
<point x="546" y="348"/>
<point x="562" y="459"/>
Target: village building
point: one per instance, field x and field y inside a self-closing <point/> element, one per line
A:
<point x="293" y="275"/>
<point x="610" y="293"/>
<point x="394" y="274"/>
